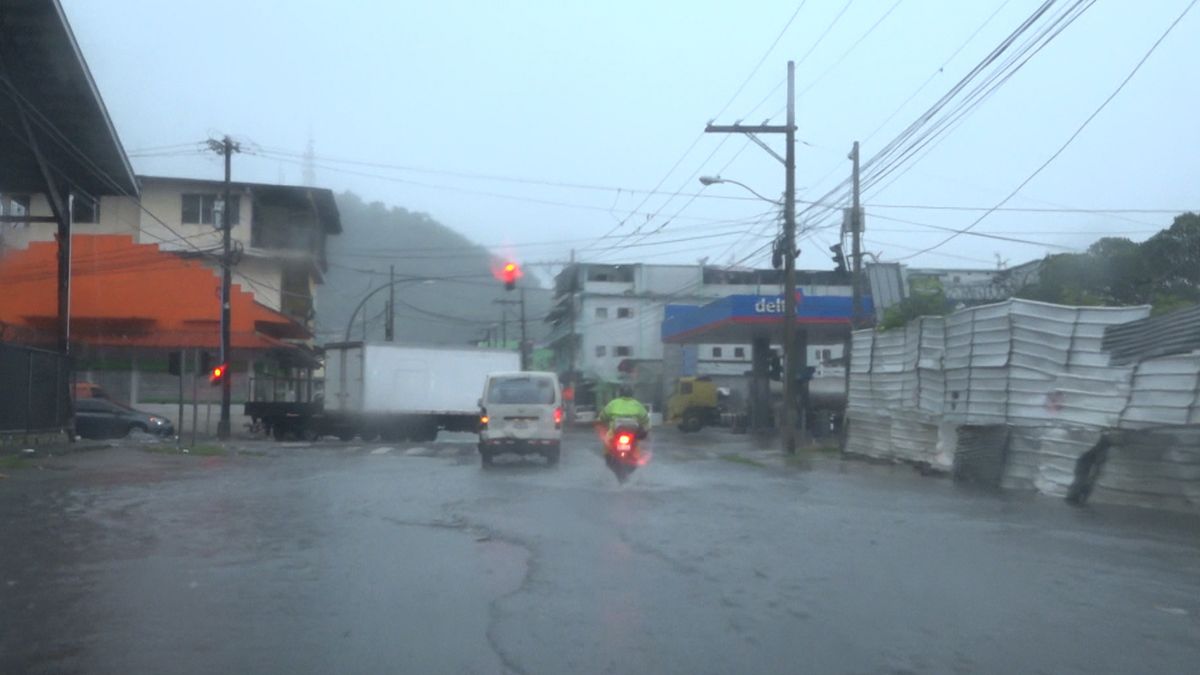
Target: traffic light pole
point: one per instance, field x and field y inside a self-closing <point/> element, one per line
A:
<point x="856" y="246"/>
<point x="228" y="147"/>
<point x="524" y="337"/>
<point x="791" y="358"/>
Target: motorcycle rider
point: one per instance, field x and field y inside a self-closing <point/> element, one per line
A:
<point x="625" y="406"/>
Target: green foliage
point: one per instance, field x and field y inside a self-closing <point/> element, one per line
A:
<point x="916" y="305"/>
<point x="1163" y="271"/>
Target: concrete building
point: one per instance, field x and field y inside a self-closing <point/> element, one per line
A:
<point x="279" y="230"/>
<point x="607" y="318"/>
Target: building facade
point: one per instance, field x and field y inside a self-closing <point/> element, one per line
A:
<point x="607" y="319"/>
<point x="279" y="231"/>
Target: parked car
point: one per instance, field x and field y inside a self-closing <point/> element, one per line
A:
<point x="104" y="418"/>
<point x="89" y="390"/>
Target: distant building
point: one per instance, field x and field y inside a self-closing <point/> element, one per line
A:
<point x="607" y="318"/>
<point x="891" y="283"/>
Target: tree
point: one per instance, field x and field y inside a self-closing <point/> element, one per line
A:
<point x="1163" y="271"/>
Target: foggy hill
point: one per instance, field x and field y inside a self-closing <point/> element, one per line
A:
<point x="456" y="311"/>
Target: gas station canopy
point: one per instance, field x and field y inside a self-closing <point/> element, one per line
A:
<point x="741" y="318"/>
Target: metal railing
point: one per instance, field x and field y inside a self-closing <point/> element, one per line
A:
<point x="34" y="389"/>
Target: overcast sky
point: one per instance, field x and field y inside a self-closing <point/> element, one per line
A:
<point x="612" y="94"/>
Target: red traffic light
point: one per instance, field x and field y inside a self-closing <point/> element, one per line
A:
<point x="509" y="274"/>
<point x="217" y="375"/>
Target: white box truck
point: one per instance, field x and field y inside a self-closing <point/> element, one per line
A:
<point x="396" y="392"/>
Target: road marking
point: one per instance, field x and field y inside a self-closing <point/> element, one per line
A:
<point x="381" y="451"/>
<point x="1175" y="611"/>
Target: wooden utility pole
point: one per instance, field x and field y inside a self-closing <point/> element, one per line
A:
<point x="856" y="222"/>
<point x="226" y="147"/>
<point x="524" y="337"/>
<point x="790" y="357"/>
<point x="390" y="330"/>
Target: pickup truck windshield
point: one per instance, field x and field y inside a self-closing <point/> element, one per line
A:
<point x="521" y="390"/>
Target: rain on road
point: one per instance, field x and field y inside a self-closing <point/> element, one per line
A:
<point x="370" y="558"/>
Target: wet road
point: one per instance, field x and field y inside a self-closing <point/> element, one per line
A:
<point x="374" y="558"/>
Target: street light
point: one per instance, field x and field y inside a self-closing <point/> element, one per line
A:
<point x="368" y="296"/>
<point x="716" y="180"/>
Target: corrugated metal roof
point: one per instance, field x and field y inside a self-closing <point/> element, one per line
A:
<point x="50" y="79"/>
<point x="1172" y="333"/>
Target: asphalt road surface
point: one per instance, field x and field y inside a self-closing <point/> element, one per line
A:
<point x="377" y="558"/>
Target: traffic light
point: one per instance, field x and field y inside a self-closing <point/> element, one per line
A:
<point x="776" y="367"/>
<point x="218" y="374"/>
<point x="509" y="275"/>
<point x="175" y="363"/>
<point x="838" y="257"/>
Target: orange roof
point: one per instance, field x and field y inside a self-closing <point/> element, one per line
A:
<point x="130" y="294"/>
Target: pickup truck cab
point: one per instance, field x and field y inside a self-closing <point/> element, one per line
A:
<point x="520" y="413"/>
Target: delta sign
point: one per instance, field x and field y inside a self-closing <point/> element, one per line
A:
<point x="738" y="318"/>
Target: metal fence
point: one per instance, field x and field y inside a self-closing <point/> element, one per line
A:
<point x="34" y="389"/>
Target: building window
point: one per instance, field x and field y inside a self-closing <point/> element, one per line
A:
<point x="826" y="355"/>
<point x="14" y="205"/>
<point x="601" y="312"/>
<point x="623" y="351"/>
<point x="716" y="352"/>
<point x="601" y="350"/>
<point x="198" y="209"/>
<point x="739" y="352"/>
<point x="85" y="210"/>
<point x="624" y="312"/>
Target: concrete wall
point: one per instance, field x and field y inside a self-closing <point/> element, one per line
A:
<point x="165" y="200"/>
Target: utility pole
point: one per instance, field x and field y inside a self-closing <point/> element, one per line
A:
<point x="390" y="330"/>
<point x="227" y="147"/>
<point x="524" y="338"/>
<point x="856" y="247"/>
<point x="572" y="347"/>
<point x="790" y="357"/>
<point x="504" y="326"/>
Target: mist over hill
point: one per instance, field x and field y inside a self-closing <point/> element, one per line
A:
<point x="454" y="310"/>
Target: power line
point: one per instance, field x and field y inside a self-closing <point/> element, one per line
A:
<point x="937" y="132"/>
<point x="895" y="151"/>
<point x="1069" y="140"/>
<point x="451" y="188"/>
<point x="761" y="60"/>
<point x="837" y="62"/>
<point x="985" y="235"/>
<point x="270" y="153"/>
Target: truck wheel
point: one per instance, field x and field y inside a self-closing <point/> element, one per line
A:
<point x="346" y="435"/>
<point x="279" y="431"/>
<point x="553" y="454"/>
<point x="485" y="458"/>
<point x="691" y="422"/>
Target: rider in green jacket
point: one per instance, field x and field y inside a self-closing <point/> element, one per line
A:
<point x="625" y="406"/>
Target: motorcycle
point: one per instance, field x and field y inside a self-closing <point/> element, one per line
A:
<point x="621" y="451"/>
